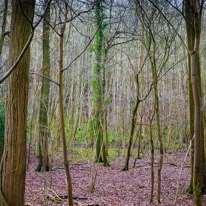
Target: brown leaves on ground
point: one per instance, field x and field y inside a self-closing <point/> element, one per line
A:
<point x="113" y="187"/>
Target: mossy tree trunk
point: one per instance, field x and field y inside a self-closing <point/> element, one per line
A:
<point x="44" y="102"/>
<point x="13" y="164"/>
<point x="98" y="84"/>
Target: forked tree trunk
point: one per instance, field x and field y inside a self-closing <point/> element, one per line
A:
<point x="13" y="164"/>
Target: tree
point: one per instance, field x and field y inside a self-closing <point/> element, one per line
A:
<point x="13" y="165"/>
<point x="193" y="15"/>
<point x="97" y="82"/>
<point x="190" y="44"/>
<point x="43" y="114"/>
<point x="194" y="9"/>
<point x="158" y="52"/>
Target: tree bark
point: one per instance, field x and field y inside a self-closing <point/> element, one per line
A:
<point x="13" y="164"/>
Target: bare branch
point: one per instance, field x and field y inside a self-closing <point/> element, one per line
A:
<point x="81" y="52"/>
<point x="41" y="75"/>
<point x="181" y="39"/>
<point x="13" y="67"/>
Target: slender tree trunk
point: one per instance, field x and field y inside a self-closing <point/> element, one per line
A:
<point x="61" y="109"/>
<point x="57" y="130"/>
<point x="126" y="166"/>
<point x="44" y="99"/>
<point x="190" y="44"/>
<point x="197" y="182"/>
<point x="13" y="164"/>
<point x="140" y="135"/>
<point x="195" y="66"/>
<point x="152" y="160"/>
<point x="160" y="143"/>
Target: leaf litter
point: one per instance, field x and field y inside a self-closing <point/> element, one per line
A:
<point x="113" y="187"/>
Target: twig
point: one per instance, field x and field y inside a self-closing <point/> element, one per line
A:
<point x="28" y="204"/>
<point x="56" y="194"/>
<point x="41" y="75"/>
<point x="82" y="51"/>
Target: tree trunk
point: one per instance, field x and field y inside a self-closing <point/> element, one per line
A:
<point x="152" y="160"/>
<point x="61" y="109"/>
<point x="197" y="182"/>
<point x="44" y="102"/>
<point x="13" y="164"/>
<point x="190" y="44"/>
<point x="97" y="86"/>
<point x="126" y="166"/>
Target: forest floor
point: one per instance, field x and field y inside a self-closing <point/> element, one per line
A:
<point x="113" y="187"/>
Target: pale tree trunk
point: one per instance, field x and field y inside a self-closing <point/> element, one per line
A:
<point x="13" y="164"/>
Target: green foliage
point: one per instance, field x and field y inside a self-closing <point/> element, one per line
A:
<point x="92" y="127"/>
<point x="81" y="130"/>
<point x="105" y="24"/>
<point x="112" y="137"/>
<point x="108" y="101"/>
<point x="91" y="49"/>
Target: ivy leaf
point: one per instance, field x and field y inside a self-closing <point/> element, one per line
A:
<point x="108" y="101"/>
<point x="91" y="49"/>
